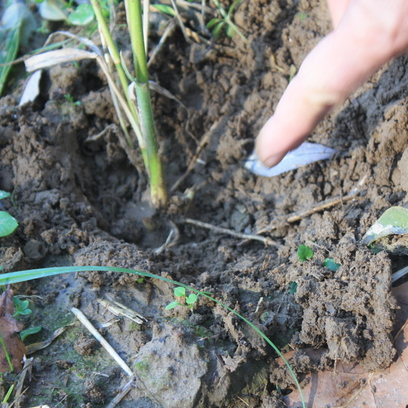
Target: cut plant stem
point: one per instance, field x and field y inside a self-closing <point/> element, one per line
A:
<point x="158" y="192"/>
<point x="115" y="56"/>
<point x="143" y="115"/>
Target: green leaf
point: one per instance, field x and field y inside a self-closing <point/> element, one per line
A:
<point x="212" y="23"/>
<point x="216" y="32"/>
<point x="10" y="41"/>
<point x="24" y="304"/>
<point x="329" y="263"/>
<point x="29" y="331"/>
<point x="83" y="15"/>
<point x="179" y="291"/>
<point x="231" y="30"/>
<point x="172" y="305"/>
<point x="191" y="299"/>
<point x="304" y="253"/>
<point x="7" y="224"/>
<point x="163" y="8"/>
<point x="4" y="194"/>
<point x="393" y="221"/>
<point x="52" y="10"/>
<point x="293" y="287"/>
<point x="232" y="7"/>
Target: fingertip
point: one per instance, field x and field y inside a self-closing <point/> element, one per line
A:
<point x="273" y="160"/>
<point x="265" y="152"/>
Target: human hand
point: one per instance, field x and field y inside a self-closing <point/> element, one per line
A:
<point x="367" y="34"/>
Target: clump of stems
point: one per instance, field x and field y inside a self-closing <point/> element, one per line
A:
<point x="143" y="123"/>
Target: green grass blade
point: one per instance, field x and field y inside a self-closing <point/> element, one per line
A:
<point x="11" y="40"/>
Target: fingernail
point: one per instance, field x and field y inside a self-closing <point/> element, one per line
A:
<point x="272" y="160"/>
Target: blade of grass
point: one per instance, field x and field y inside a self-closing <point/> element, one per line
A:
<point x="22" y="276"/>
<point x="9" y="53"/>
<point x="7" y="355"/>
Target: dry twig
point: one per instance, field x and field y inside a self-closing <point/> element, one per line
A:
<point x="265" y="240"/>
<point x="83" y="319"/>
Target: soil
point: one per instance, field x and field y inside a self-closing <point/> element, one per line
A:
<point x="79" y="201"/>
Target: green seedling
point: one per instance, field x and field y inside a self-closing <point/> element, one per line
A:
<point x="330" y="264"/>
<point x="6" y="353"/>
<point x="225" y="23"/>
<point x="70" y="99"/>
<point x="182" y="299"/>
<point x="8" y="395"/>
<point x="28" y="332"/>
<point x="7" y="222"/>
<point x="292" y="288"/>
<point x="304" y="253"/>
<point x="82" y="15"/>
<point x="16" y="25"/>
<point x="21" y="307"/>
<point x="165" y="9"/>
<point x="59" y="10"/>
<point x="26" y="275"/>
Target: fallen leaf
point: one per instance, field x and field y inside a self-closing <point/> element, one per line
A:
<point x="349" y="385"/>
<point x="393" y="221"/>
<point x="303" y="155"/>
<point x="9" y="328"/>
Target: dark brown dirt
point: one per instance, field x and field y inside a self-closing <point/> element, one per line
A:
<point x="79" y="201"/>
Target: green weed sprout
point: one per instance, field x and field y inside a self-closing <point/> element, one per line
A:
<point x="71" y="100"/>
<point x="21" y="307"/>
<point x="8" y="395"/>
<point x="182" y="299"/>
<point x="7" y="222"/>
<point x="59" y="10"/>
<point x="331" y="264"/>
<point x="304" y="253"/>
<point x="28" y="332"/>
<point x="6" y="354"/>
<point x="13" y="28"/>
<point x="26" y="275"/>
<point x="217" y="25"/>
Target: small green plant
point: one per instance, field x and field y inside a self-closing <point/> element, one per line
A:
<point x="218" y="25"/>
<point x="21" y="307"/>
<point x="292" y="288"/>
<point x="59" y="10"/>
<point x="16" y="25"/>
<point x="182" y="299"/>
<point x="330" y="264"/>
<point x="6" y="353"/>
<point x="7" y="222"/>
<point x="304" y="253"/>
<point x="8" y="395"/>
<point x="70" y="99"/>
<point x="28" y="332"/>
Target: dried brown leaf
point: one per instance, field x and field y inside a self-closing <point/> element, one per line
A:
<point x="9" y="328"/>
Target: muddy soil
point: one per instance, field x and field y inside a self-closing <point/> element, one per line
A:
<point x="79" y="201"/>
